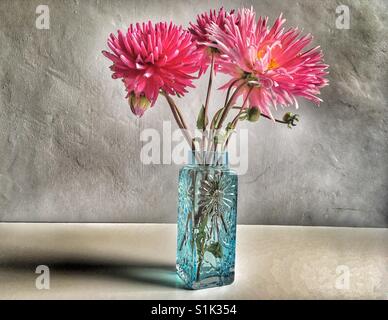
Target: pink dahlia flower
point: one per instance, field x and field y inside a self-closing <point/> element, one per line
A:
<point x="271" y="60"/>
<point x="201" y="34"/>
<point x="150" y="58"/>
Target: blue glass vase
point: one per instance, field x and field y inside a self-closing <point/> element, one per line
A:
<point x="207" y="216"/>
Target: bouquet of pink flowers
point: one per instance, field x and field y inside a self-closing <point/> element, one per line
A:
<point x="268" y="67"/>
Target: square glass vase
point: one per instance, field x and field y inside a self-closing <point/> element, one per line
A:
<point x="207" y="218"/>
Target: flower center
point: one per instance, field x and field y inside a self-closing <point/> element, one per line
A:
<point x="272" y="63"/>
<point x="261" y="52"/>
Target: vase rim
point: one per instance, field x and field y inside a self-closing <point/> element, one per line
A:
<point x="209" y="158"/>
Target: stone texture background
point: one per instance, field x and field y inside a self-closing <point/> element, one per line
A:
<point x="69" y="146"/>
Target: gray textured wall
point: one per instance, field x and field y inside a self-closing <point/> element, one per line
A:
<point x="70" y="147"/>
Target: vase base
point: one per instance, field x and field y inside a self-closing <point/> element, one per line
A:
<point x="210" y="282"/>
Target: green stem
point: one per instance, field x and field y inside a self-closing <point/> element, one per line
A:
<point x="236" y="119"/>
<point x="180" y="121"/>
<point x="201" y="242"/>
<point x="228" y="106"/>
<point x="221" y="115"/>
<point x="276" y="120"/>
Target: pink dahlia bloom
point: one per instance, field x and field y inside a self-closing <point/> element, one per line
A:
<point x="201" y="34"/>
<point x="150" y="58"/>
<point x="272" y="60"/>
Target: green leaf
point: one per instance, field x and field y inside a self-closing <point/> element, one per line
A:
<point x="217" y="117"/>
<point x="202" y="120"/>
<point x="215" y="249"/>
<point x="202" y="225"/>
<point x="201" y="235"/>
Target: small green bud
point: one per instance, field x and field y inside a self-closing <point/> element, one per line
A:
<point x="139" y="104"/>
<point x="253" y="114"/>
<point x="290" y="119"/>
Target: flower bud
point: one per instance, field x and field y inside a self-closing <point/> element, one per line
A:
<point x="138" y="104"/>
<point x="290" y="118"/>
<point x="253" y="114"/>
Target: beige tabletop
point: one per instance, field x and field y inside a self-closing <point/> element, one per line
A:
<point x="137" y="261"/>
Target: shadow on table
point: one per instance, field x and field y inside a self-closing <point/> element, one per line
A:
<point x="135" y="270"/>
